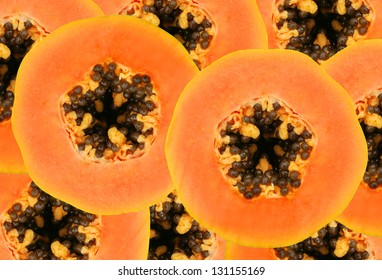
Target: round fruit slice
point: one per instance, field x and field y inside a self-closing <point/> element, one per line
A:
<point x="22" y="24"/>
<point x="358" y="69"/>
<point x="265" y="163"/>
<point x="208" y="29"/>
<point x="320" y="28"/>
<point x="92" y="127"/>
<point x="35" y="225"/>
<point x="332" y="242"/>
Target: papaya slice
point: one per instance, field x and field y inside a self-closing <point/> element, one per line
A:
<point x="320" y="28"/>
<point x="345" y="67"/>
<point x="332" y="242"/>
<point x="207" y="29"/>
<point x="104" y="122"/>
<point x="257" y="162"/>
<point x="35" y="225"/>
<point x="23" y="23"/>
<point x="176" y="235"/>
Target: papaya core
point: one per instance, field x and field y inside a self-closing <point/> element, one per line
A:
<point x="184" y="19"/>
<point x="369" y="112"/>
<point x="332" y="242"/>
<point x="320" y="28"/>
<point x="112" y="114"/>
<point x="263" y="148"/>
<point x="17" y="36"/>
<point x="39" y="226"/>
<point x="175" y="235"/>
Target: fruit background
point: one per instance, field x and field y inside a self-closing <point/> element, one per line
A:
<point x="190" y="129"/>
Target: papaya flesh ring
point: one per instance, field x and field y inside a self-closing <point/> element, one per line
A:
<point x="22" y="24"/>
<point x="332" y="242"/>
<point x="320" y="29"/>
<point x="249" y="221"/>
<point x="116" y="186"/>
<point x="35" y="225"/>
<point x="363" y="58"/>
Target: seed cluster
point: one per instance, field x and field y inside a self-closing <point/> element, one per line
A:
<point x="15" y="41"/>
<point x="332" y="242"/>
<point x="115" y="111"/>
<point x="189" y="24"/>
<point x="324" y="29"/>
<point x="175" y="234"/>
<point x="371" y="123"/>
<point x="43" y="227"/>
<point x="266" y="151"/>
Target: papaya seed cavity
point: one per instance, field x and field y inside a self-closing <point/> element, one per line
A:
<point x="320" y="28"/>
<point x="263" y="148"/>
<point x="369" y="112"/>
<point x="112" y="114"/>
<point x="332" y="242"/>
<point x="186" y="20"/>
<point x="40" y="227"/>
<point x="17" y="35"/>
<point x="176" y="235"/>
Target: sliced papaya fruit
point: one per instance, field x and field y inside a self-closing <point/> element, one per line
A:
<point x="23" y="23"/>
<point x="96" y="138"/>
<point x="255" y="160"/>
<point x="208" y="29"/>
<point x="176" y="235"/>
<point x="332" y="242"/>
<point x="320" y="28"/>
<point x="358" y="70"/>
<point x="35" y="225"/>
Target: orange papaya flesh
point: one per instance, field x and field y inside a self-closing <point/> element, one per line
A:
<point x="318" y="28"/>
<point x="207" y="29"/>
<point x="176" y="235"/>
<point x="22" y="24"/>
<point x="35" y="225"/>
<point x="332" y="242"/>
<point x="90" y="180"/>
<point x="208" y="191"/>
<point x="358" y="70"/>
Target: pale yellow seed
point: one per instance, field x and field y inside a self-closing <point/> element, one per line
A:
<point x="336" y="25"/>
<point x="308" y="6"/>
<point x="28" y="237"/>
<point x="116" y="136"/>
<point x="374" y="120"/>
<point x="59" y="250"/>
<point x="5" y="52"/>
<point x="185" y="223"/>
<point x="250" y="130"/>
<point x="341" y="7"/>
<point x="183" y="21"/>
<point x="59" y="213"/>
<point x="342" y="247"/>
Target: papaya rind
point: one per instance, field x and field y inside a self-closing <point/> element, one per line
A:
<point x="193" y="163"/>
